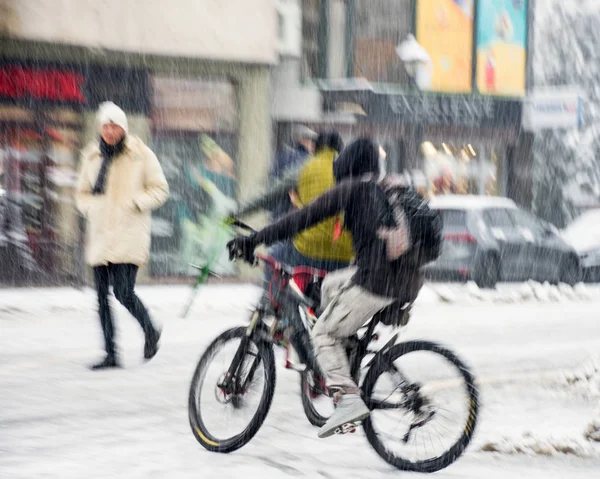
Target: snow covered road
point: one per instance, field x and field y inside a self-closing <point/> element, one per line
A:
<point x="59" y="420"/>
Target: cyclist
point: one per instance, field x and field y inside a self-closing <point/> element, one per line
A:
<point x="387" y="270"/>
<point x="318" y="247"/>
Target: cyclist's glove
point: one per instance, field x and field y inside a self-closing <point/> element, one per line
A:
<point x="242" y="247"/>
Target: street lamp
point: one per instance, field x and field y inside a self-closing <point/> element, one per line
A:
<point x="417" y="62"/>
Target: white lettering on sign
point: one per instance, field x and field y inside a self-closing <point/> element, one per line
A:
<point x="447" y="109"/>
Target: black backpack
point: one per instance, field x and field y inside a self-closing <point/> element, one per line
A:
<point x="410" y="209"/>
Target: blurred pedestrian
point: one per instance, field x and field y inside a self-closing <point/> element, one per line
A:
<point x="290" y="158"/>
<point x="120" y="183"/>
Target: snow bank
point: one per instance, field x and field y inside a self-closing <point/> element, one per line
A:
<point x="583" y="381"/>
<point x="592" y="432"/>
<point x="514" y="293"/>
<point x="531" y="445"/>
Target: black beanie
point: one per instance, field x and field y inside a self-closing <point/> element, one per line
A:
<point x="331" y="139"/>
<point x="359" y="158"/>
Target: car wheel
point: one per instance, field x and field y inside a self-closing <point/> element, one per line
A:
<point x="487" y="273"/>
<point x="570" y="271"/>
<point x="592" y="275"/>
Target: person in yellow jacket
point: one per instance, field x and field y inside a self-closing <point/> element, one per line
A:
<point x="326" y="241"/>
<point x="325" y="246"/>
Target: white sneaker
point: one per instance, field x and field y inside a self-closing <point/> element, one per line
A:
<point x="350" y="409"/>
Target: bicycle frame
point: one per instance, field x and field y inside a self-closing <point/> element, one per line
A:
<point x="290" y="301"/>
<point x="292" y="297"/>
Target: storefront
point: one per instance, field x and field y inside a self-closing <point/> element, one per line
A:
<point x="458" y="144"/>
<point x="207" y="121"/>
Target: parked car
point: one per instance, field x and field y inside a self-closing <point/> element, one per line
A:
<point x="489" y="239"/>
<point x="583" y="234"/>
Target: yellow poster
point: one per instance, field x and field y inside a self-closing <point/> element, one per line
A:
<point x="445" y="30"/>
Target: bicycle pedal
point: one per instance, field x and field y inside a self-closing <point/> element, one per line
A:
<point x="348" y="428"/>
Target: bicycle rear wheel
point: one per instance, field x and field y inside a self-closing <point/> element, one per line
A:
<point x="248" y="370"/>
<point x="420" y="403"/>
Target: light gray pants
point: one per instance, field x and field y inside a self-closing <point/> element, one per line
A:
<point x="347" y="308"/>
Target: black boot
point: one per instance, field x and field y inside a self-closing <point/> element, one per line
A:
<point x="151" y="345"/>
<point x="107" y="363"/>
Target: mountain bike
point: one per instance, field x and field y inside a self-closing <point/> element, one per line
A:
<point x="248" y="370"/>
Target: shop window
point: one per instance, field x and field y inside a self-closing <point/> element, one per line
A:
<point x="194" y="135"/>
<point x="39" y="228"/>
<point x="380" y="25"/>
<point x="462" y="168"/>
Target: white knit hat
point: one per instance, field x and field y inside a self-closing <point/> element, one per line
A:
<point x="108" y="112"/>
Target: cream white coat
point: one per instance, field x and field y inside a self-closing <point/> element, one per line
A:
<point x="118" y="221"/>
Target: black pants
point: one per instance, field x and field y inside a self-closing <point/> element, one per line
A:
<point x="122" y="277"/>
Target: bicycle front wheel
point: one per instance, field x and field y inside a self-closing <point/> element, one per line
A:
<point x="424" y="406"/>
<point x="235" y="376"/>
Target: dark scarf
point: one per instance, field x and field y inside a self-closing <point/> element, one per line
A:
<point x="108" y="152"/>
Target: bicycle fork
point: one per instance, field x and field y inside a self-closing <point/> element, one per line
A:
<point x="231" y="381"/>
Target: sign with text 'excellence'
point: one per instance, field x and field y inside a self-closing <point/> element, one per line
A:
<point x="480" y="112"/>
<point x="552" y="109"/>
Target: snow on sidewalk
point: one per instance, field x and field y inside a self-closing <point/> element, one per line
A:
<point x="40" y="302"/>
<point x="27" y="302"/>
<point x="579" y="389"/>
<point x="60" y="420"/>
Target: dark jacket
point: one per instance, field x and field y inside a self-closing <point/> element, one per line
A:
<point x="277" y="194"/>
<point x="365" y="210"/>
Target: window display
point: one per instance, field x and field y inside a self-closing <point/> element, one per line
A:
<point x="38" y="227"/>
<point x="462" y="169"/>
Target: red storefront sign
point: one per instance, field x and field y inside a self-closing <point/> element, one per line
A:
<point x="45" y="84"/>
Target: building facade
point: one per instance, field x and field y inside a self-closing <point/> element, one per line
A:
<point x="194" y="81"/>
<point x="450" y="115"/>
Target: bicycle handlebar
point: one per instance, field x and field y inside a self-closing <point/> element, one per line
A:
<point x="231" y="221"/>
<point x="273" y="263"/>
